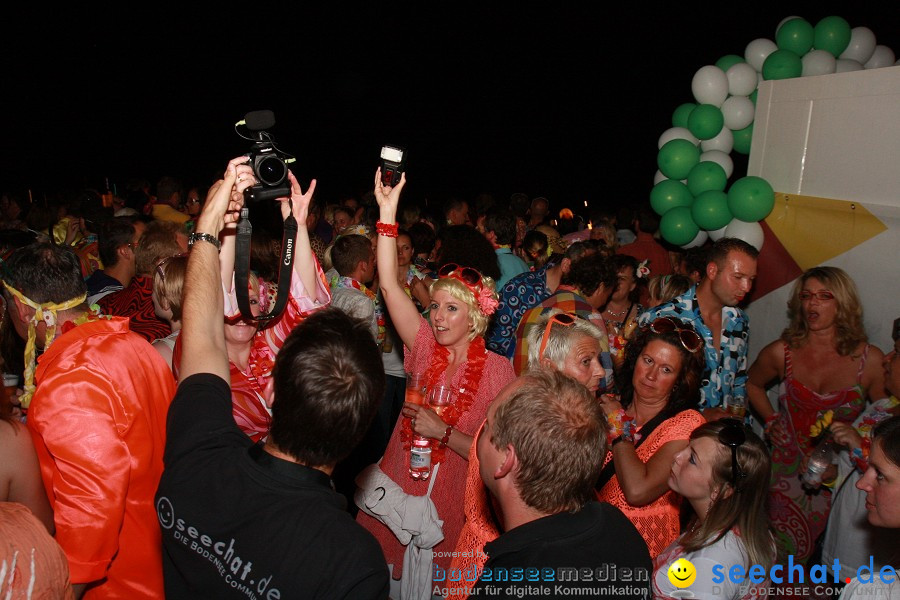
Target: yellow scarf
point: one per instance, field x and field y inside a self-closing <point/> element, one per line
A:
<point x="45" y="312"/>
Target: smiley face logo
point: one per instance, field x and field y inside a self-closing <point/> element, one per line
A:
<point x="682" y="573"/>
<point x="166" y="512"/>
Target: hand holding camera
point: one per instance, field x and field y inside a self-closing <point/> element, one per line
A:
<point x="299" y="200"/>
<point x="226" y="197"/>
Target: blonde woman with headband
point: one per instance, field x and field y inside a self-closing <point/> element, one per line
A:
<point x="450" y="351"/>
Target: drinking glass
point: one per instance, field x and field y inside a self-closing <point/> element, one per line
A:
<point x="415" y="388"/>
<point x="439" y="398"/>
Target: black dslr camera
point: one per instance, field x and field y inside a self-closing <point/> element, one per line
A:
<point x="269" y="163"/>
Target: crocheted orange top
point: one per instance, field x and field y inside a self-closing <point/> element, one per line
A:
<point x="480" y="528"/>
<point x="657" y="522"/>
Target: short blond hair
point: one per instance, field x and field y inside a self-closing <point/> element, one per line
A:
<point x="461" y="292"/>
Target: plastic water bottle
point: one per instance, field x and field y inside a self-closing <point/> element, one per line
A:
<point x="819" y="461"/>
<point x="420" y="458"/>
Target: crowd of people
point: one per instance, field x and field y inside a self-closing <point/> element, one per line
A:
<point x="393" y="403"/>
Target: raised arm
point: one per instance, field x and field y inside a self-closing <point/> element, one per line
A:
<point x="304" y="261"/>
<point x="403" y="311"/>
<point x="203" y="329"/>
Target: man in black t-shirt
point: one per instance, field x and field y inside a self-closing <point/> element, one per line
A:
<point x="539" y="457"/>
<point x="263" y="521"/>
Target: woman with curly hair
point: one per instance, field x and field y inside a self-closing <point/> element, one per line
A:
<point x="649" y="424"/>
<point x="822" y="362"/>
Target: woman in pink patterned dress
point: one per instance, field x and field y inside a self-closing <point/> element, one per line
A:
<point x="822" y="362"/>
<point x="251" y="348"/>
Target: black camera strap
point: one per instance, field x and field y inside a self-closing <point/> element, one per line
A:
<point x="242" y="266"/>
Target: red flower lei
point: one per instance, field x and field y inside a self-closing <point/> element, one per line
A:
<point x="465" y="396"/>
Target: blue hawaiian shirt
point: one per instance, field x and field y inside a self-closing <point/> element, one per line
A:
<point x="518" y="295"/>
<point x="725" y="376"/>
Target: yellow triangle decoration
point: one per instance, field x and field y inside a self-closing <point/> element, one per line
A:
<point x="815" y="230"/>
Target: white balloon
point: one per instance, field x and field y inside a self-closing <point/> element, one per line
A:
<point x="758" y="51"/>
<point x="741" y="79"/>
<point x="710" y="85"/>
<point x="783" y="21"/>
<point x="698" y="240"/>
<point x="724" y="141"/>
<point x="720" y="158"/>
<point x="658" y="177"/>
<point x="675" y="133"/>
<point x="752" y="233"/>
<point x="717" y="234"/>
<point x="861" y="46"/>
<point x="738" y="112"/>
<point x="818" y="62"/>
<point x="845" y="65"/>
<point x="882" y="57"/>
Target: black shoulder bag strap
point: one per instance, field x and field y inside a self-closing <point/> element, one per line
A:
<point x="242" y="266"/>
<point x="610" y="469"/>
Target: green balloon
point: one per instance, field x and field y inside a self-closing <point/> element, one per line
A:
<point x="728" y="61"/>
<point x="742" y="139"/>
<point x="795" y="35"/>
<point x="677" y="157"/>
<point x="669" y="194"/>
<point x="710" y="210"/>
<point x="705" y="176"/>
<point x="706" y="122"/>
<point x="832" y="34"/>
<point x="782" y="64"/>
<point x="751" y="199"/>
<point x="681" y="114"/>
<point x="753" y="96"/>
<point x="677" y="227"/>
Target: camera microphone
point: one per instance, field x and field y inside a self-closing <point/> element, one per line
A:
<point x="258" y="120"/>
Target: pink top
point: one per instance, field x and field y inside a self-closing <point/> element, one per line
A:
<point x="248" y="404"/>
<point x="449" y="488"/>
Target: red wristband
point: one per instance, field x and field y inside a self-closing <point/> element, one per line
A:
<point x="387" y="229"/>
<point x="446" y="437"/>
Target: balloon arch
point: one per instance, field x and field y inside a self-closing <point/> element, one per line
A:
<point x="694" y="157"/>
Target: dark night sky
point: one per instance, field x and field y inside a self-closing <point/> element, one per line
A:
<point x="562" y="102"/>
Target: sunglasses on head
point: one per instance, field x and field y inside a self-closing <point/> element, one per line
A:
<point x="823" y="295"/>
<point x="733" y="436"/>
<point x="564" y="319"/>
<point x="467" y="275"/>
<point x="690" y="339"/>
<point x="159" y="266"/>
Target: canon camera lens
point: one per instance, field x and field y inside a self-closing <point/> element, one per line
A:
<point x="270" y="170"/>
